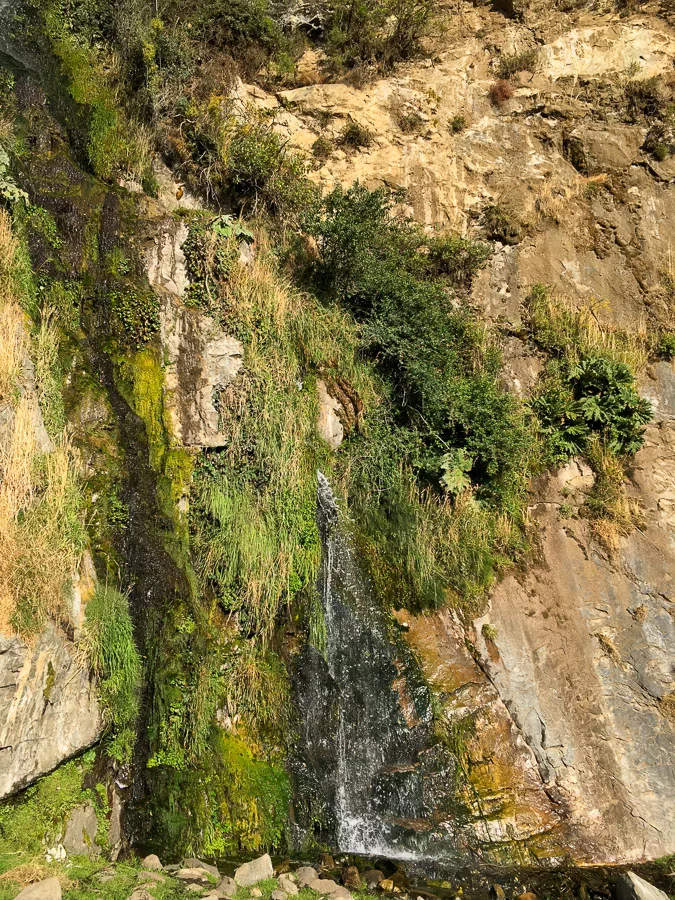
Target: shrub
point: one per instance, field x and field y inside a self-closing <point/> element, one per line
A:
<point x="382" y="32"/>
<point x="108" y="642"/>
<point x="457" y="124"/>
<point x="645" y="99"/>
<point x="666" y="345"/>
<point x="356" y="136"/>
<point x="322" y="148"/>
<point x="500" y="224"/>
<point x="500" y="92"/>
<point x="509" y="64"/>
<point x="457" y="258"/>
<point x="660" y="139"/>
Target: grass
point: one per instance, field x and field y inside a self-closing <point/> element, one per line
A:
<point x="108" y="643"/>
<point x="41" y="529"/>
<point x="509" y="64"/>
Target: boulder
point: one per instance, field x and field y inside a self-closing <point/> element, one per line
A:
<point x="50" y="889"/>
<point x="497" y="891"/>
<point x="351" y="878"/>
<point x="256" y="892"/>
<point x="195" y="888"/>
<point x="48" y="707"/>
<point x="306" y="874"/>
<point x="326" y="861"/>
<point x="198" y="864"/>
<point x="630" y="886"/>
<point x="141" y="894"/>
<point x="151" y="877"/>
<point x="80" y="836"/>
<point x="286" y="885"/>
<point x="279" y="895"/>
<point x="193" y="876"/>
<point x="283" y="868"/>
<point x="252" y="872"/>
<point x="227" y="886"/>
<point x="151" y="862"/>
<point x="372" y="878"/>
<point x="324" y="886"/>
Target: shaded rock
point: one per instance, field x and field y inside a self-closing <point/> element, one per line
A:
<point x="283" y="868"/>
<point x="151" y="877"/>
<point x="48" y="708"/>
<point x="497" y="891"/>
<point x="528" y="895"/>
<point x="227" y="886"/>
<point x="115" y="830"/>
<point x="331" y="430"/>
<point x="351" y="878"/>
<point x="50" y="889"/>
<point x="386" y="885"/>
<point x="151" y="862"/>
<point x="252" y="872"/>
<point x="305" y="875"/>
<point x="80" y="836"/>
<point x="372" y="877"/>
<point x="630" y="886"/>
<point x="286" y="885"/>
<point x="198" y="864"/>
<point x="326" y="861"/>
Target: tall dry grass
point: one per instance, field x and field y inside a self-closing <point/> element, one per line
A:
<point x="41" y="530"/>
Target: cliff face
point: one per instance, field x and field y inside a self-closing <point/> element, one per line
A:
<point x="562" y="692"/>
<point x="581" y="666"/>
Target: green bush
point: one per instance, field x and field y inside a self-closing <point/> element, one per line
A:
<point x="666" y="345"/>
<point x="645" y="99"/>
<point x="596" y="399"/>
<point x="108" y="640"/>
<point x="509" y="64"/>
<point x="382" y="32"/>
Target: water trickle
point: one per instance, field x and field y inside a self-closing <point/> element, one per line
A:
<point x="368" y="759"/>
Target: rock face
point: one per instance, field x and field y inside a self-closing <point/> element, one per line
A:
<point x="201" y="361"/>
<point x="42" y="890"/>
<point x="630" y="886"/>
<point x="80" y="835"/>
<point x="48" y="708"/>
<point x="584" y="658"/>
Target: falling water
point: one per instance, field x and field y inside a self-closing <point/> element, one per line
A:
<point x="368" y="755"/>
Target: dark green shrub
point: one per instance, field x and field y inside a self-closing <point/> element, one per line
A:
<point x="261" y="170"/>
<point x="235" y="24"/>
<point x="135" y="311"/>
<point x="322" y="148"/>
<point x="457" y="124"/>
<point x="596" y="399"/>
<point x="666" y="345"/>
<point x="457" y="258"/>
<point x="356" y="136"/>
<point x="382" y="32"/>
<point x="660" y="139"/>
<point x="499" y="224"/>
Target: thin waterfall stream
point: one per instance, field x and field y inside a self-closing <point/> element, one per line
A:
<point x="369" y="749"/>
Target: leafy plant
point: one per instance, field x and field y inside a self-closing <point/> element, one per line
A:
<point x="9" y="190"/>
<point x="456" y="466"/>
<point x="509" y="64"/>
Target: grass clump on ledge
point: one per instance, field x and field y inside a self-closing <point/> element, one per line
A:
<point x="108" y="643"/>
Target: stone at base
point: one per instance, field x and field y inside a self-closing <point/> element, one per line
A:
<point x="50" y="889"/>
<point x="630" y="886"/>
<point x="151" y="862"/>
<point x="252" y="872"/>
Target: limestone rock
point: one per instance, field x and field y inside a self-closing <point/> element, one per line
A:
<point x="151" y="862"/>
<point x="227" y="886"/>
<point x="324" y="886"/>
<point x="48" y="708"/>
<point x="279" y="895"/>
<point x="50" y="889"/>
<point x="165" y="260"/>
<point x="80" y="835"/>
<point x="252" y="872"/>
<point x="630" y="886"/>
<point x="329" y="425"/>
<point x="286" y="885"/>
<point x="141" y="893"/>
<point x="305" y="875"/>
<point x="198" y="864"/>
<point x="195" y="888"/>
<point x="193" y="876"/>
<point x="256" y="892"/>
<point x="201" y="361"/>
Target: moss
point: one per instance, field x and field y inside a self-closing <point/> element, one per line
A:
<point x="33" y="819"/>
<point x="49" y="683"/>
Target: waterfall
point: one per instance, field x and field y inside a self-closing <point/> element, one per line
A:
<point x="368" y="758"/>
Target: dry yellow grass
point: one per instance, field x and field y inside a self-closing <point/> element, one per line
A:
<point x="41" y="533"/>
